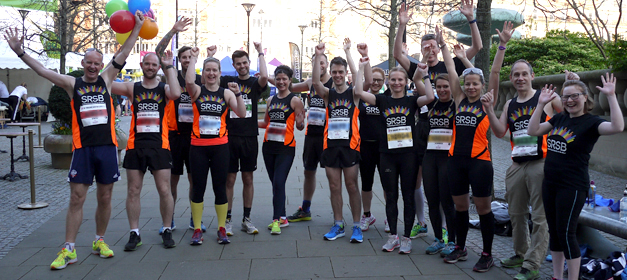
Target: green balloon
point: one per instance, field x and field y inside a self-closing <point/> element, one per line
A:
<point x="114" y="6"/>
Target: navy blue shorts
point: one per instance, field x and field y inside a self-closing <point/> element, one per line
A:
<point x="98" y="161"/>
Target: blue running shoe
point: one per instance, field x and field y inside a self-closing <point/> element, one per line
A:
<point x="335" y="232"/>
<point x="357" y="236"/>
<point x="173" y="226"/>
<point x="436" y="247"/>
<point x="191" y="225"/>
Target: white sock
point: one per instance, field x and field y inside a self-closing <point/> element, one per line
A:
<point x="420" y="205"/>
<point x="136" y="230"/>
<point x="99" y="237"/>
<point x="164" y="228"/>
<point x="69" y="246"/>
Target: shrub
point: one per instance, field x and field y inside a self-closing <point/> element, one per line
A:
<point x="617" y="54"/>
<point x="59" y="104"/>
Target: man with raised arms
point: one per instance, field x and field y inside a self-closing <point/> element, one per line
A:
<point x="94" y="140"/>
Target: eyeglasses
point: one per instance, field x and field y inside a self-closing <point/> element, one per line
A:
<point x="473" y="70"/>
<point x="378" y="81"/>
<point x="573" y="96"/>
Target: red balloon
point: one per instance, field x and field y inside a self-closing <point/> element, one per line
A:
<point x="122" y="21"/>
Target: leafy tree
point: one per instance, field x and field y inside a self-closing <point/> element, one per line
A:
<point x="617" y="54"/>
<point x="59" y="101"/>
<point x="560" y="50"/>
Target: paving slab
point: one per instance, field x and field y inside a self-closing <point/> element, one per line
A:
<point x="303" y="268"/>
<point x="222" y="269"/>
<point x="144" y="270"/>
<point x="260" y="250"/>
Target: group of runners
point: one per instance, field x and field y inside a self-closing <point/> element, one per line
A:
<point x="197" y="123"/>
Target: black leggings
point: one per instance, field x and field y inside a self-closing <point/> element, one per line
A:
<point x="278" y="166"/>
<point x="369" y="160"/>
<point x="203" y="158"/>
<point x="562" y="207"/>
<point x="393" y="166"/>
<point x="437" y="190"/>
<point x="14" y="102"/>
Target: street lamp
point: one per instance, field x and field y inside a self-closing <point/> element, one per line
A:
<point x="302" y="32"/>
<point x="261" y="23"/>
<point x="248" y="7"/>
<point x="23" y="13"/>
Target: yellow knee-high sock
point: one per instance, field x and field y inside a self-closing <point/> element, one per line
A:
<point x="197" y="213"/>
<point x="221" y="210"/>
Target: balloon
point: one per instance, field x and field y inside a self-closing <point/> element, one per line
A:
<point x="149" y="29"/>
<point x="121" y="37"/>
<point x="139" y="5"/>
<point x="123" y="71"/>
<point x="150" y="14"/>
<point x="197" y="70"/>
<point x="122" y="21"/>
<point x="114" y="6"/>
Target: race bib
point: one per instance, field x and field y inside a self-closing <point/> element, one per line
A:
<point x="524" y="145"/>
<point x="249" y="110"/>
<point x="440" y="139"/>
<point x="399" y="137"/>
<point x="209" y="125"/>
<point x="147" y="122"/>
<point x="338" y="128"/>
<point x="316" y="116"/>
<point x="276" y="132"/>
<point x="186" y="113"/>
<point x="94" y="114"/>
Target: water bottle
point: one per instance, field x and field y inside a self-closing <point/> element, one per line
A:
<point x="591" y="194"/>
<point x="623" y="207"/>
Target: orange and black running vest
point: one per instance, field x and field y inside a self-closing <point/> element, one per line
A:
<point x="525" y="147"/>
<point x="279" y="137"/>
<point x="149" y="127"/>
<point x="93" y="120"/>
<point x="469" y="131"/>
<point x="342" y="126"/>
<point x="179" y="112"/>
<point x="210" y="110"/>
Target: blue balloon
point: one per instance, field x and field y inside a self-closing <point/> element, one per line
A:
<point x="139" y="5"/>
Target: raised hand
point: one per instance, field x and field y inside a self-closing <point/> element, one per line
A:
<point x="547" y="95"/>
<point x="506" y="34"/>
<point x="362" y="48"/>
<point x="347" y="44"/>
<point x="195" y="51"/>
<point x="139" y="19"/>
<point x="11" y="35"/>
<point x="438" y="36"/>
<point x="320" y="49"/>
<point x="234" y="87"/>
<point x="363" y="62"/>
<point x="459" y="51"/>
<point x="211" y="50"/>
<point x="467" y="8"/>
<point x="403" y="18"/>
<point x="258" y="47"/>
<point x="166" y="58"/>
<point x="422" y="69"/>
<point x="571" y="76"/>
<point x="488" y="99"/>
<point x="609" y="84"/>
<point x="182" y="24"/>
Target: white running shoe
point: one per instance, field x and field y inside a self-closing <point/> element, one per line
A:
<point x="229" y="228"/>
<point x="391" y="244"/>
<point x="366" y="222"/>
<point x="248" y="227"/>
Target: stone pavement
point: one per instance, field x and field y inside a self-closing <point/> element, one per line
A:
<point x="29" y="240"/>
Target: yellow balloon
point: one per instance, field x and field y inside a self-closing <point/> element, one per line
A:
<point x="197" y="70"/>
<point x="123" y="71"/>
<point x="121" y="37"/>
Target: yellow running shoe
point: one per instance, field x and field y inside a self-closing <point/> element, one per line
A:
<point x="64" y="258"/>
<point x="101" y="248"/>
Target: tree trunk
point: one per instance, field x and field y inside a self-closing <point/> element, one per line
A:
<point x="484" y="20"/>
<point x="392" y="32"/>
<point x="62" y="34"/>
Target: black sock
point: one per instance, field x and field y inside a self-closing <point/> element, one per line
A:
<point x="228" y="215"/>
<point x="487" y="231"/>
<point x="247" y="212"/>
<point x="461" y="224"/>
<point x="367" y="214"/>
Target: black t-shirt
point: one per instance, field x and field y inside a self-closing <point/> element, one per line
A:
<point x="251" y="91"/>
<point x="398" y="123"/>
<point x="369" y="121"/>
<point x="569" y="144"/>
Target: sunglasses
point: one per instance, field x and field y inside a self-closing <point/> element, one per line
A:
<point x="473" y="70"/>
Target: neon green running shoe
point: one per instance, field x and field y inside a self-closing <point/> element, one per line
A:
<point x="64" y="258"/>
<point x="101" y="248"/>
<point x="445" y="235"/>
<point x="276" y="229"/>
<point x="418" y="231"/>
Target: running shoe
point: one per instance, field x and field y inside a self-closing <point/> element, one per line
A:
<point x="405" y="245"/>
<point x="282" y="223"/>
<point x="173" y="226"/>
<point x="299" y="216"/>
<point x="168" y="242"/>
<point x="276" y="228"/>
<point x="436" y="247"/>
<point x="526" y="274"/>
<point x="514" y="261"/>
<point x="448" y="249"/>
<point x="357" y="236"/>
<point x="134" y="241"/>
<point x="366" y="222"/>
<point x="196" y="237"/>
<point x="99" y="247"/>
<point x="228" y="227"/>
<point x="418" y="231"/>
<point x="391" y="244"/>
<point x="248" y="227"/>
<point x="336" y="232"/>
<point x="222" y="237"/>
<point x="64" y="257"/>
<point x="457" y="255"/>
<point x="485" y="262"/>
<point x="387" y="226"/>
<point x="445" y="235"/>
<point x="191" y="225"/>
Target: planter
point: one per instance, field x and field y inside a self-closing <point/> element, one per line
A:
<point x="122" y="142"/>
<point x="60" y="149"/>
